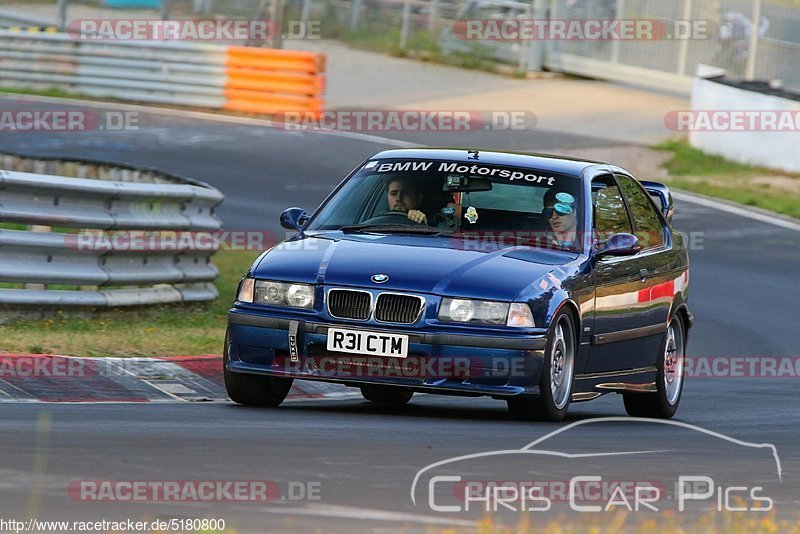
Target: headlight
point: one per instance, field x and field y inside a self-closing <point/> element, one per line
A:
<point x="300" y="296"/>
<point x="473" y="311"/>
<point x="277" y="293"/>
<point x="270" y="292"/>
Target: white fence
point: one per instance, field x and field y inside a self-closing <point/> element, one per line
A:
<point x="751" y="39"/>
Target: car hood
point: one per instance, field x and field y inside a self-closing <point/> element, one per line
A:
<point x="424" y="264"/>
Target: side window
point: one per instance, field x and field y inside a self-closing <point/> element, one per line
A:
<point x="610" y="215"/>
<point x="645" y="218"/>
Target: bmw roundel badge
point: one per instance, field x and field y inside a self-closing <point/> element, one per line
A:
<point x="380" y="278"/>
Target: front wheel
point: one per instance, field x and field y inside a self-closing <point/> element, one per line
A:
<point x="663" y="403"/>
<point x="386" y="395"/>
<point x="254" y="390"/>
<point x="558" y="370"/>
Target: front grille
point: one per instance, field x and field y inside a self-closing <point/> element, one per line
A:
<point x="392" y="308"/>
<point x="317" y="350"/>
<point x="346" y="304"/>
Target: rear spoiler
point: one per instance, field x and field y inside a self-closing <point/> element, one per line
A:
<point x="661" y="192"/>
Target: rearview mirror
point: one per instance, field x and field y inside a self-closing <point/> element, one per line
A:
<point x="294" y="219"/>
<point x="662" y="193"/>
<point x="618" y="245"/>
<point x="454" y="183"/>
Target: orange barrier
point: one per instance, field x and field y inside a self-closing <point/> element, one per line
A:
<point x="266" y="80"/>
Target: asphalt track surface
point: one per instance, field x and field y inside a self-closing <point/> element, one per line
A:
<point x="364" y="458"/>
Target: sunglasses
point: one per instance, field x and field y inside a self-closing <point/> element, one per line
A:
<point x="559" y="209"/>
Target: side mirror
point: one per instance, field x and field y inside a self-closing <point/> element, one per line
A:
<point x="617" y="245"/>
<point x="662" y="193"/>
<point x="294" y="219"/>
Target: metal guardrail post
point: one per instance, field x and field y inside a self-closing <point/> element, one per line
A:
<point x="433" y="17"/>
<point x="535" y="48"/>
<point x="62" y="15"/>
<point x="752" y="52"/>
<point x="166" y="6"/>
<point x="355" y="14"/>
<point x="406" y="23"/>
<point x="683" y="51"/>
<point x="553" y="13"/>
<point x="615" y="45"/>
<point x="277" y="19"/>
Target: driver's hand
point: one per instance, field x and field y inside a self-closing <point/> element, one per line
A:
<point x="417" y="216"/>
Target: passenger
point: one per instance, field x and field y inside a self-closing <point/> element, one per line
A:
<point x="560" y="213"/>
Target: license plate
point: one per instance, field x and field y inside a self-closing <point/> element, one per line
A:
<point x="372" y="343"/>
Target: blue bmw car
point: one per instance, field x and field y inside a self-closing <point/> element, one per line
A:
<point x="537" y="280"/>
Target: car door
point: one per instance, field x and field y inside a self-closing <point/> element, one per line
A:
<point x="658" y="259"/>
<point x="621" y="288"/>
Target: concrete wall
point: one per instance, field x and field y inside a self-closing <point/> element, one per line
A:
<point x="774" y="149"/>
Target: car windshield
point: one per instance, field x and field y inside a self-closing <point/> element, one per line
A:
<point x="522" y="205"/>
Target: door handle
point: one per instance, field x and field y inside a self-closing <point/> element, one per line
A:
<point x="643" y="273"/>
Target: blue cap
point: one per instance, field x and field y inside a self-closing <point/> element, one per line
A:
<point x="562" y="208"/>
<point x="565" y="197"/>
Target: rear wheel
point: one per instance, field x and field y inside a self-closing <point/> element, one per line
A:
<point x="386" y="394"/>
<point x="254" y="390"/>
<point x="663" y="403"/>
<point x="558" y="370"/>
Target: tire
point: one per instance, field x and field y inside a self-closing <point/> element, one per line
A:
<point x="669" y="382"/>
<point x="386" y="395"/>
<point x="254" y="390"/>
<point x="558" y="373"/>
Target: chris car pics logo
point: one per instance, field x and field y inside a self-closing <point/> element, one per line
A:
<point x="538" y="478"/>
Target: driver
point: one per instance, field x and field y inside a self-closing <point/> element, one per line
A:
<point x="403" y="196"/>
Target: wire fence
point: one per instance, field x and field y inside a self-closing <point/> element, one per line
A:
<point x="751" y="39"/>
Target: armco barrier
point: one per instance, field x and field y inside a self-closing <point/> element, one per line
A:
<point x="40" y="258"/>
<point x="33" y="29"/>
<point x="255" y="80"/>
<point x="263" y="80"/>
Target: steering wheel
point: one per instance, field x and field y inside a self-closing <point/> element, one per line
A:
<point x="392" y="217"/>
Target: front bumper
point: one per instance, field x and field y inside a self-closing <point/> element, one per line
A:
<point x="438" y="361"/>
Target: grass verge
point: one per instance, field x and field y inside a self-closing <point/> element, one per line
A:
<point x="692" y="170"/>
<point x="167" y="330"/>
<point x="667" y="521"/>
<point x="50" y="91"/>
